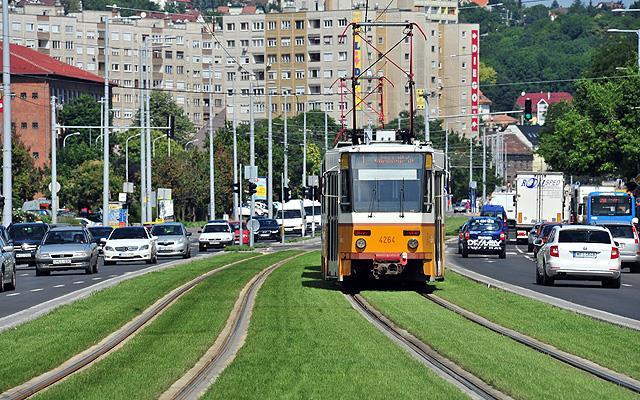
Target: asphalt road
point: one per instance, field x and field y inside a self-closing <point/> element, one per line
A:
<point x="519" y="269"/>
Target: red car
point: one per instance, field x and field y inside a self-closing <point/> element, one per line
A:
<point x="235" y="225"/>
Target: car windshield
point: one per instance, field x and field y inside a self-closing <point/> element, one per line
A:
<point x="166" y="230"/>
<point x="236" y="226"/>
<point x="289" y="214"/>
<point x="129" y="233"/>
<point x="100" y="233"/>
<point x="611" y="205"/>
<point x="491" y="213"/>
<point x="620" y="231"/>
<point x="583" y="236"/>
<point x="27" y="232"/>
<point x="546" y="230"/>
<point x="268" y="223"/>
<point x="65" y="237"/>
<point x="216" y="228"/>
<point x="484" y="225"/>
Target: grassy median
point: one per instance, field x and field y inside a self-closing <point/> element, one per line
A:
<point x="452" y="224"/>
<point x="306" y="342"/>
<point x="160" y="354"/>
<point x="609" y="345"/>
<point x="510" y="367"/>
<point x="42" y="344"/>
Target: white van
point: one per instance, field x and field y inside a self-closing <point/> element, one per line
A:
<point x="312" y="213"/>
<point x="292" y="217"/>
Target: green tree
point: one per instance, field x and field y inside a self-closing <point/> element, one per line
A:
<point x="488" y="75"/>
<point x="162" y="106"/>
<point x="27" y="180"/>
<point x="83" y="188"/>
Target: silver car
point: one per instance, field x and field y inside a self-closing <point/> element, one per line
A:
<point x="533" y="235"/>
<point x="7" y="266"/>
<point x="173" y="240"/>
<point x="67" y="248"/>
<point x="626" y="236"/>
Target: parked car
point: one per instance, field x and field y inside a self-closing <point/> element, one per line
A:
<point x="269" y="230"/>
<point x="533" y="235"/>
<point x="235" y="226"/>
<point x="215" y="234"/>
<point x="98" y="233"/>
<point x="543" y="235"/>
<point x="173" y="239"/>
<point x="485" y="235"/>
<point x="8" y="275"/>
<point x="459" y="208"/>
<point x="132" y="243"/>
<point x="26" y="238"/>
<point x="627" y="238"/>
<point x="584" y="252"/>
<point x="67" y="248"/>
<point x="461" y="231"/>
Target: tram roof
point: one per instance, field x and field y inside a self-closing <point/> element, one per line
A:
<point x="386" y="147"/>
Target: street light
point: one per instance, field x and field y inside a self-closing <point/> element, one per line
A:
<point x="64" y="141"/>
<point x="636" y="31"/>
<point x="126" y="156"/>
<point x="190" y="142"/>
<point x="153" y="145"/>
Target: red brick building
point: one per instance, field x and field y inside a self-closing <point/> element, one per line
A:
<point x="36" y="77"/>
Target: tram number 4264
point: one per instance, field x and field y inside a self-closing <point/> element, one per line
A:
<point x="387" y="239"/>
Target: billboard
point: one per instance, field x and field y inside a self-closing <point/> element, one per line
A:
<point x="261" y="189"/>
<point x="475" y="79"/>
<point x="357" y="59"/>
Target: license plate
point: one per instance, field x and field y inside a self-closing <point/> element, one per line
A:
<point x="23" y="255"/>
<point x="59" y="261"/>
<point x="485" y="237"/>
<point x="264" y="234"/>
<point x="584" y="254"/>
<point x="164" y="250"/>
<point x="126" y="254"/>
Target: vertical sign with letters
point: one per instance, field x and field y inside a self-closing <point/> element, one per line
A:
<point x="475" y="79"/>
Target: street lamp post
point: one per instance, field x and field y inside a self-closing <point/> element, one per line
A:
<point x="285" y="150"/>
<point x="54" y="170"/>
<point x="190" y="142"/>
<point x="64" y="141"/>
<point x="126" y="156"/>
<point x="7" y="188"/>
<point x="153" y="145"/>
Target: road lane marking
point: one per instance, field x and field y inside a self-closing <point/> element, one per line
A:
<point x="627" y="285"/>
<point x="78" y="282"/>
<point x="25" y="274"/>
<point x="96" y="279"/>
<point x="519" y="249"/>
<point x="56" y="286"/>
<point x="511" y="253"/>
<point x="36" y="290"/>
<point x="112" y="276"/>
<point x="529" y="258"/>
<point x="12" y="294"/>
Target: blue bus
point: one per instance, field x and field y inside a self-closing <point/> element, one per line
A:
<point x="603" y="207"/>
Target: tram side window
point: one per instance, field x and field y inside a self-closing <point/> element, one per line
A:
<point x="427" y="200"/>
<point x="345" y="188"/>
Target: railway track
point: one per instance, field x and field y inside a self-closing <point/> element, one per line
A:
<point x="468" y="383"/>
<point x="107" y="345"/>
<point x="573" y="360"/>
<point x="196" y="381"/>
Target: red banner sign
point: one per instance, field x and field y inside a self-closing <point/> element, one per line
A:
<point x="475" y="79"/>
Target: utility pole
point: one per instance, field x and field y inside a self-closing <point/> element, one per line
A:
<point x="236" y="214"/>
<point x="252" y="154"/>
<point x="148" y="135"/>
<point x="143" y="152"/>
<point x="286" y="172"/>
<point x="270" y="163"/>
<point x="304" y="144"/>
<point x="282" y="181"/>
<point x="7" y="188"/>
<point x="105" y="132"/>
<point x="427" y="133"/>
<point x="54" y="166"/>
<point x="212" y="190"/>
<point x="484" y="165"/>
<point x="326" y="128"/>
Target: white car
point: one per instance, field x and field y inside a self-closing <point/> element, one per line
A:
<point x="133" y="243"/>
<point x="215" y="234"/>
<point x="579" y="252"/>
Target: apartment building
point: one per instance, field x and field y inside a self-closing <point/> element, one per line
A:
<point x="302" y="54"/>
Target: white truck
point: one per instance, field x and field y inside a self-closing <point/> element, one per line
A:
<point x="579" y="195"/>
<point x="508" y="201"/>
<point x="539" y="198"/>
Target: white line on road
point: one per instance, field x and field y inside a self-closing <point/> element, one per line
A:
<point x="78" y="282"/>
<point x="12" y="294"/>
<point x="519" y="249"/>
<point x="512" y="253"/>
<point x="627" y="285"/>
<point x="59" y="286"/>
<point x="36" y="290"/>
<point x="96" y="279"/>
<point x="25" y="274"/>
<point x="529" y="258"/>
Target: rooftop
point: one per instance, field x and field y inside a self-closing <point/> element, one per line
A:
<point x="547" y="97"/>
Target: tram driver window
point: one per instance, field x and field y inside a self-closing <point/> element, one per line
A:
<point x="345" y="191"/>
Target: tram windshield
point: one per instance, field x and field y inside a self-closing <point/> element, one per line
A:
<point x="387" y="182"/>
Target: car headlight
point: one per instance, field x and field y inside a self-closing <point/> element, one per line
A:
<point x="43" y="255"/>
<point x="108" y="248"/>
<point x="413" y="244"/>
<point x="80" y="254"/>
<point x="144" y="247"/>
<point x="182" y="240"/>
<point x="361" y="244"/>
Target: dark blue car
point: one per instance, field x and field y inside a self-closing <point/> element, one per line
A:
<point x="484" y="235"/>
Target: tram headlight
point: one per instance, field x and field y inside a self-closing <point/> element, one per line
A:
<point x="361" y="244"/>
<point x="413" y="244"/>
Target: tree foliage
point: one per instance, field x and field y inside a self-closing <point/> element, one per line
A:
<point x="162" y="106"/>
<point x="27" y="180"/>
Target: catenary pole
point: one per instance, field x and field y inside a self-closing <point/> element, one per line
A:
<point x="148" y="133"/>
<point x="212" y="190"/>
<point x="143" y="142"/>
<point x="252" y="155"/>
<point x="105" y="132"/>
<point x="54" y="164"/>
<point x="7" y="188"/>
<point x="270" y="162"/>
<point x="236" y="211"/>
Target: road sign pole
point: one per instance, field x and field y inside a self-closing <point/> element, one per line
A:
<point x="252" y="154"/>
<point x="313" y="211"/>
<point x="282" y="205"/>
<point x="270" y="164"/>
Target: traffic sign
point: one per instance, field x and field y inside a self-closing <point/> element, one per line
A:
<point x="122" y="197"/>
<point x="127" y="187"/>
<point x="57" y="186"/>
<point x="250" y="172"/>
<point x="313" y="180"/>
<point x="253" y="225"/>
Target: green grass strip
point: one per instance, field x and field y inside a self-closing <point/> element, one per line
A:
<point x="606" y="344"/>
<point x="306" y="342"/>
<point x="510" y="367"/>
<point x="452" y="224"/>
<point x="44" y="343"/>
<point x="160" y="354"/>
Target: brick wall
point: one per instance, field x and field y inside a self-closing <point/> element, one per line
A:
<point x="31" y="119"/>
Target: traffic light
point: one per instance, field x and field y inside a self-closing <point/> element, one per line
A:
<point x="287" y="194"/>
<point x="172" y="126"/>
<point x="253" y="188"/>
<point x="236" y="188"/>
<point x="528" y="113"/>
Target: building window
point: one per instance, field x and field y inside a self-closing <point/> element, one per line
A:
<point x="342" y="56"/>
<point x="168" y="69"/>
<point x="231" y="44"/>
<point x="34" y="95"/>
<point x="244" y="26"/>
<point x="328" y="73"/>
<point x="328" y="106"/>
<point x="36" y="155"/>
<point x="328" y="23"/>
<point x="258" y="26"/>
<point x="115" y="67"/>
<point x="286" y="58"/>
<point x="55" y="44"/>
<point x="299" y="74"/>
<point x="23" y="125"/>
<point x="299" y="41"/>
<point x="342" y="22"/>
<point x="180" y="69"/>
<point x="34" y="125"/>
<point x="406" y="56"/>
<point x="286" y="74"/>
<point x="285" y="25"/>
<point x="272" y="42"/>
<point x="16" y="26"/>
<point x="299" y="58"/>
<point x="299" y="24"/>
<point x="328" y="40"/>
<point x="327" y="57"/>
<point x="286" y="42"/>
<point x="272" y="58"/>
<point x="127" y="115"/>
<point x="23" y="96"/>
<point x="271" y="25"/>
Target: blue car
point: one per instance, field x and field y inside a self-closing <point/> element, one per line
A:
<point x="484" y="235"/>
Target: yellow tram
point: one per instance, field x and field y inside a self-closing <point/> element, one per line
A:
<point x="383" y="212"/>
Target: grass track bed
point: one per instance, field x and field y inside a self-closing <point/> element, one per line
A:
<point x="508" y="366"/>
<point x="306" y="342"/>
<point x="161" y="353"/>
<point x="42" y="344"/>
<point x="451" y="224"/>
<point x="606" y="344"/>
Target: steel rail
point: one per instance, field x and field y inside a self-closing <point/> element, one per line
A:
<point x="573" y="360"/>
<point x="205" y="372"/>
<point x="108" y="344"/>
<point x="444" y="367"/>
